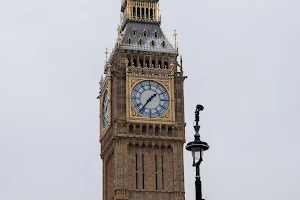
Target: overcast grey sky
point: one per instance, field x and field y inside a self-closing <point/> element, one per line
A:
<point x="242" y="60"/>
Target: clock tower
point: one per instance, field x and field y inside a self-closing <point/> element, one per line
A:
<point x="142" y="126"/>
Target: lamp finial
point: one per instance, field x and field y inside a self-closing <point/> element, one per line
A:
<point x="197" y="113"/>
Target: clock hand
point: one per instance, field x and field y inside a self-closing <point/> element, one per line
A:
<point x="154" y="95"/>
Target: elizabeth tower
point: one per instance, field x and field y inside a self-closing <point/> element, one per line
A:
<point x="142" y="126"/>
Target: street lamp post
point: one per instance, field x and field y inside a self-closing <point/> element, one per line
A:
<point x="197" y="147"/>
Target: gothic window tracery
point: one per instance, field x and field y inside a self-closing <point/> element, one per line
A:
<point x="166" y="65"/>
<point x="147" y="63"/>
<point x="134" y="11"/>
<point x="147" y="11"/>
<point x="159" y="64"/>
<point x="144" y="129"/>
<point x="151" y="14"/>
<point x="134" y="62"/>
<point x="143" y="13"/>
<point x="131" y="128"/>
<point x="153" y="64"/>
<point x="141" y="63"/>
<point x="170" y="131"/>
<point x="138" y="13"/>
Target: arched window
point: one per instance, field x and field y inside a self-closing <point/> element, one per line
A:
<point x="153" y="64"/>
<point x="145" y="33"/>
<point x="131" y="128"/>
<point x="156" y="34"/>
<point x="163" y="44"/>
<point x="129" y="41"/>
<point x="156" y="130"/>
<point x="134" y="32"/>
<point x="151" y="14"/>
<point x="166" y="65"/>
<point x="134" y="12"/>
<point x="141" y="63"/>
<point x="147" y="63"/>
<point x="138" y="12"/>
<point x="134" y="62"/>
<point x="159" y="64"/>
<point x="147" y="11"/>
<point x="170" y="131"/>
<point x="144" y="129"/>
<point x="143" y="13"/>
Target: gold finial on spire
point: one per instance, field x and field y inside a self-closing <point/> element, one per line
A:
<point x="106" y="53"/>
<point x="175" y="36"/>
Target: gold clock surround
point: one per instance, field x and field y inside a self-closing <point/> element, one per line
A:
<point x="132" y="116"/>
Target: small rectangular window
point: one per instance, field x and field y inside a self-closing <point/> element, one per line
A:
<point x="156" y="173"/>
<point x="143" y="172"/>
<point x="162" y="172"/>
<point x="136" y="172"/>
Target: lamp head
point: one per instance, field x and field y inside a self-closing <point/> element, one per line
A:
<point x="197" y="148"/>
<point x="199" y="107"/>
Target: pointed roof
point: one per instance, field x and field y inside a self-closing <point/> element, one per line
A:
<point x="140" y="29"/>
<point x="144" y="37"/>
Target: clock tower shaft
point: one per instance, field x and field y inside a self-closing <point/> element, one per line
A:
<point x="142" y="125"/>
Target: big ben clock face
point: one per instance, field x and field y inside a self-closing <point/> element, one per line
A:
<point x="150" y="99"/>
<point x="104" y="109"/>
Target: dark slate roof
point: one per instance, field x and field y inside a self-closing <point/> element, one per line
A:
<point x="146" y="41"/>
